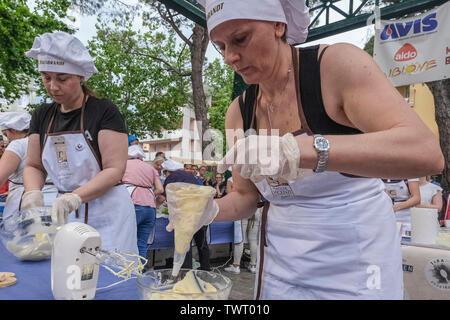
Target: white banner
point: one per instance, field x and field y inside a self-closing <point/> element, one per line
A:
<point x="416" y="49"/>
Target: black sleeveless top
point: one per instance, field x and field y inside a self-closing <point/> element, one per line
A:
<point x="314" y="112"/>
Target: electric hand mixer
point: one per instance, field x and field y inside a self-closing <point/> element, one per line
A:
<point x="75" y="261"/>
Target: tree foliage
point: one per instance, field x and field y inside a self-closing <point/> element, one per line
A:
<point x="140" y="72"/>
<point x="19" y="25"/>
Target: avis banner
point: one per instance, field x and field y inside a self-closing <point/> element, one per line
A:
<point x="415" y="49"/>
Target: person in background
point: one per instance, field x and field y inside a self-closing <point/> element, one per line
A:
<point x="194" y="169"/>
<point x="160" y="154"/>
<point x="81" y="142"/>
<point x="15" y="126"/>
<point x="245" y="231"/>
<point x="188" y="167"/>
<point x="220" y="186"/>
<point x="404" y="194"/>
<point x="176" y="172"/>
<point x="143" y="184"/>
<point x="4" y="187"/>
<point x="430" y="195"/>
<point x="336" y="126"/>
<point x="132" y="140"/>
<point x="157" y="164"/>
<point x="201" y="172"/>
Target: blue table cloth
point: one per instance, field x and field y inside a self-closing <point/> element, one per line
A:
<point x="34" y="281"/>
<point x="218" y="232"/>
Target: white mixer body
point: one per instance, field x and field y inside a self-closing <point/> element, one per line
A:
<point x="75" y="262"/>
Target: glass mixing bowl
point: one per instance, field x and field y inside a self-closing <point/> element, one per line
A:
<point x="158" y="284"/>
<point x="29" y="234"/>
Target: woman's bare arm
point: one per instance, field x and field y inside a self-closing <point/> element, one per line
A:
<point x="413" y="200"/>
<point x="158" y="186"/>
<point x="33" y="173"/>
<point x="9" y="163"/>
<point x="396" y="143"/>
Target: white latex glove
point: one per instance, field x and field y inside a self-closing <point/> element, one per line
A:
<point x="257" y="157"/>
<point x="32" y="199"/>
<point x="64" y="205"/>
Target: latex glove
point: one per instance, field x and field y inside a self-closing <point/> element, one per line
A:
<point x="257" y="157"/>
<point x="64" y="205"/>
<point x="32" y="199"/>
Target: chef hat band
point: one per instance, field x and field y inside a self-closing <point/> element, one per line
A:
<point x="294" y="13"/>
<point x="53" y="64"/>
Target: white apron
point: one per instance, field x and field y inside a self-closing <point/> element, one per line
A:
<point x="399" y="192"/>
<point x="71" y="162"/>
<point x="329" y="236"/>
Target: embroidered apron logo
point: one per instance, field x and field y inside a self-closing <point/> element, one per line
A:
<point x="437" y="273"/>
<point x="280" y="188"/>
<point x="79" y="147"/>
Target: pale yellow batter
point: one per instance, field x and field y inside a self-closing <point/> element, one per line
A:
<point x="190" y="202"/>
<point x="188" y="288"/>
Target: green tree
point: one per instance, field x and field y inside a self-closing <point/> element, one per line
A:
<point x="18" y="27"/>
<point x="147" y="89"/>
<point x="219" y="79"/>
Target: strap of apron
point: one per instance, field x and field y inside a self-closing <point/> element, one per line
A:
<point x="263" y="243"/>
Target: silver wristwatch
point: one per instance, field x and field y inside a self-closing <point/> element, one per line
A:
<point x="322" y="146"/>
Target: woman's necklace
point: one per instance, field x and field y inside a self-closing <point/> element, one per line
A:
<point x="270" y="105"/>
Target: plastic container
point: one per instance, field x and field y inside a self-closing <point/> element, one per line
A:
<point x="29" y="234"/>
<point x="156" y="285"/>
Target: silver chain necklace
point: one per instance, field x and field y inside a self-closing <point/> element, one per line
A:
<point x="270" y="105"/>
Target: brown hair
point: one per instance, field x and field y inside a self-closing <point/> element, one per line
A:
<point x="89" y="91"/>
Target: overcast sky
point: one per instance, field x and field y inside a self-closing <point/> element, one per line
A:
<point x="358" y="37"/>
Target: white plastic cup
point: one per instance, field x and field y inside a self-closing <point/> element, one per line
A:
<point x="424" y="225"/>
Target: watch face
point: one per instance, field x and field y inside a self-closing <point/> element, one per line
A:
<point x="322" y="143"/>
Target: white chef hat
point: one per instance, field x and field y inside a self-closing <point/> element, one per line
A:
<point x="15" y="120"/>
<point x="294" y="13"/>
<point x="171" y="165"/>
<point x="62" y="52"/>
<point x="135" y="152"/>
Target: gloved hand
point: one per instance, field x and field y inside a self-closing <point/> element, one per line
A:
<point x="64" y="205"/>
<point x="32" y="199"/>
<point x="257" y="157"/>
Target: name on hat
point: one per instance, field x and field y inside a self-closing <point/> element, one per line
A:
<point x="214" y="10"/>
<point x="61" y="63"/>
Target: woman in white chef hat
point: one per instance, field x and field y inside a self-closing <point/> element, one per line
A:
<point x="14" y="126"/>
<point x="81" y="143"/>
<point x="329" y="231"/>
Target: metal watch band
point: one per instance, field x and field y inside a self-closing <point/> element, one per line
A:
<point x="322" y="154"/>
